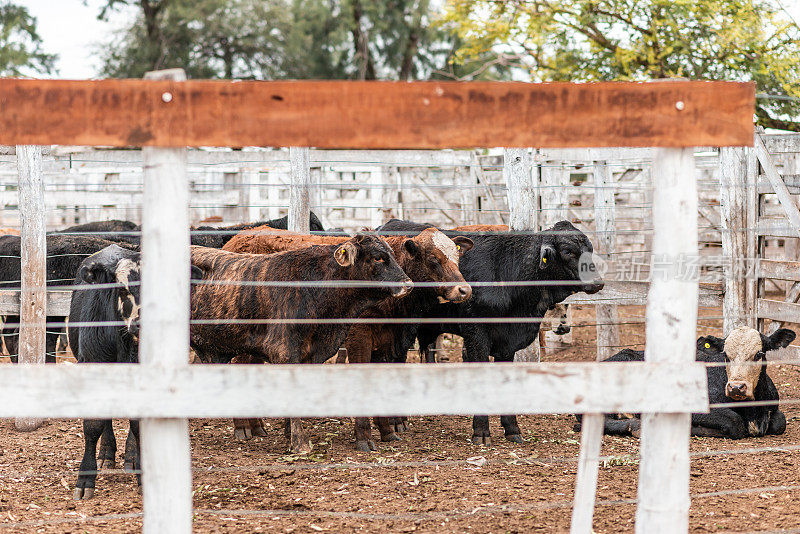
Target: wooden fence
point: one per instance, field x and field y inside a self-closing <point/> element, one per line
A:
<point x="164" y="390"/>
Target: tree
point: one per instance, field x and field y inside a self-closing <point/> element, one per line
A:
<point x="275" y="39"/>
<point x="589" y="40"/>
<point x="20" y="45"/>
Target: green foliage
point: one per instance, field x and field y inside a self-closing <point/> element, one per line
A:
<point x="589" y="40"/>
<point x="20" y="44"/>
<point x="274" y="39"/>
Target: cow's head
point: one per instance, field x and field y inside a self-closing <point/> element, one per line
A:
<point x="565" y="254"/>
<point x="745" y="355"/>
<point x="433" y="257"/>
<point x="119" y="268"/>
<point x="368" y="257"/>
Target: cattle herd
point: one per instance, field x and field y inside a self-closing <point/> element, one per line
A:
<point x="261" y="294"/>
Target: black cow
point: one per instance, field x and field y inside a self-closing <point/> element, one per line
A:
<point x="742" y="378"/>
<point x="106" y="344"/>
<point x="64" y="255"/>
<point x="558" y="258"/>
<point x="216" y="237"/>
<point x="113" y="230"/>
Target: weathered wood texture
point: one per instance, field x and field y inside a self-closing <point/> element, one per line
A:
<point x="33" y="253"/>
<point x="604" y="221"/>
<point x="663" y="496"/>
<point x="523" y="203"/>
<point x="164" y="340"/>
<point x="332" y="114"/>
<point x="299" y="190"/>
<point x="586" y="479"/>
<point x="733" y="211"/>
<point x="125" y="390"/>
<point x="786" y="200"/>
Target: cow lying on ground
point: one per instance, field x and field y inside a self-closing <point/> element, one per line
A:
<point x="558" y="259"/>
<point x="64" y="255"/>
<point x="362" y="258"/>
<point x="742" y="378"/>
<point x="429" y="257"/>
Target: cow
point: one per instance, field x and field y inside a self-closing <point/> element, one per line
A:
<point x="737" y="373"/>
<point x="429" y="257"/>
<point x="64" y="255"/>
<point x="112" y="230"/>
<point x="216" y="237"/>
<point x="115" y="341"/>
<point x="550" y="265"/>
<point x="361" y="258"/>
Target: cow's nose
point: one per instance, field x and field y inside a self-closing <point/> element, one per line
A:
<point x="464" y="291"/>
<point x="406" y="286"/>
<point x="736" y="390"/>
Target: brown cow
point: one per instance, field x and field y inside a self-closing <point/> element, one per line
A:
<point x="218" y="299"/>
<point x="429" y="257"/>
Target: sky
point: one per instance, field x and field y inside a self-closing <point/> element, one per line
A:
<point x="70" y="28"/>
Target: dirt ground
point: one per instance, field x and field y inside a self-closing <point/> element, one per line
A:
<point x="432" y="480"/>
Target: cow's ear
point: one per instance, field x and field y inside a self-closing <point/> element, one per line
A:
<point x="196" y="273"/>
<point x="711" y="343"/>
<point x="463" y="244"/>
<point x="781" y="338"/>
<point x="547" y="255"/>
<point x="94" y="273"/>
<point x="345" y="254"/>
<point x="411" y="246"/>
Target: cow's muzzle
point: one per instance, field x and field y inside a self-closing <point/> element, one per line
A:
<point x="738" y="391"/>
<point x="403" y="289"/>
<point x="459" y="293"/>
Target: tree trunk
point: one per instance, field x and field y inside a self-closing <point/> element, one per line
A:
<point x="363" y="59"/>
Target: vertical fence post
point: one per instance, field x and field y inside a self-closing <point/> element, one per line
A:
<point x="33" y="258"/>
<point x="733" y="208"/>
<point x="239" y="212"/>
<point x="300" y="189"/>
<point x="523" y="203"/>
<point x="663" y="499"/>
<point x="605" y="225"/>
<point x="607" y="341"/>
<point x="166" y="462"/>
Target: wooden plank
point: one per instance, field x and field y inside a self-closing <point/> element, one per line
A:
<point x="778" y="310"/>
<point x="663" y="496"/>
<point x="299" y="190"/>
<point x="792" y="182"/>
<point x="605" y="226"/>
<point x="336" y="114"/>
<point x="787" y="202"/>
<point x="586" y="479"/>
<point x="779" y="269"/>
<point x="130" y="390"/>
<point x="775" y="228"/>
<point x="752" y="238"/>
<point x="733" y="206"/>
<point x="57" y="302"/>
<point x="122" y="200"/>
<point x="776" y="143"/>
<point x="523" y="204"/>
<point x="33" y="258"/>
<point x="164" y="339"/>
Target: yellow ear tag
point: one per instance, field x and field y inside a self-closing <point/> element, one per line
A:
<point x="458" y="247"/>
<point x="544" y="260"/>
<point x="708" y="345"/>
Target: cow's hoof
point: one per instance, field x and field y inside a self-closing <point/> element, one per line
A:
<point x="636" y="433"/>
<point x="366" y="446"/>
<point x="242" y="433"/>
<point x="516" y="438"/>
<point x="481" y="440"/>
<point x="399" y="425"/>
<point x="129" y="467"/>
<point x="391" y="436"/>
<point x="106" y="463"/>
<point x="82" y="494"/>
<point x="258" y="430"/>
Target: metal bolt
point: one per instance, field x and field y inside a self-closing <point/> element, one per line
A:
<point x="166" y="97"/>
<point x="679" y="105"/>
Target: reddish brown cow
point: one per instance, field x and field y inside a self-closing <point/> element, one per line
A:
<point x="429" y="257"/>
<point x="218" y="299"/>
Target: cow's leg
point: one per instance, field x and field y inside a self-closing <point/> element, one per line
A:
<point x="11" y="336"/>
<point x="108" y="448"/>
<point x="244" y="429"/>
<point x="725" y="420"/>
<point x="476" y="349"/>
<point x="300" y="442"/>
<point x="51" y="341"/>
<point x="509" y="422"/>
<point x="359" y="350"/>
<point x="133" y="463"/>
<point x="777" y="423"/>
<point x="87" y="472"/>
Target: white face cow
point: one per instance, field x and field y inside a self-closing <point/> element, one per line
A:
<point x="744" y="348"/>
<point x="128" y="275"/>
